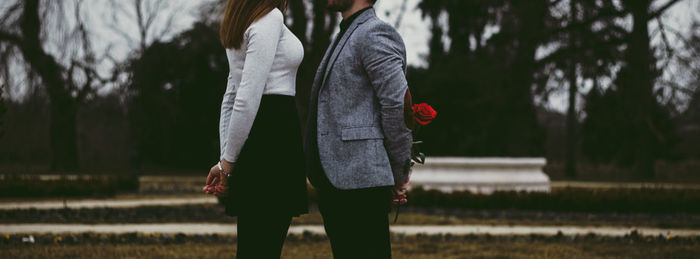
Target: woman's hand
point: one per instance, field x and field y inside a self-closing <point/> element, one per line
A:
<point x="226" y="165"/>
<point x="217" y="180"/>
<point x="226" y="169"/>
<point x="212" y="180"/>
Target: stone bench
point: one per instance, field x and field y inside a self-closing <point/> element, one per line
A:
<point x="481" y="175"/>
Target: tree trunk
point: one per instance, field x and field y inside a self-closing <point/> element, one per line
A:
<point x="524" y="137"/>
<point x="571" y="121"/>
<point x="63" y="136"/>
<point x="640" y="93"/>
<point x="2" y="112"/>
<point x="63" y="105"/>
<point x="299" y="28"/>
<point x="436" y="47"/>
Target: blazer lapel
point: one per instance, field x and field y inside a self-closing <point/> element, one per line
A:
<point x="320" y="72"/>
<point x="359" y="20"/>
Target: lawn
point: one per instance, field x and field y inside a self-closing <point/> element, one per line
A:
<point x="400" y="249"/>
<point x="408" y="216"/>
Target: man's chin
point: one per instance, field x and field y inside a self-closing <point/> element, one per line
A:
<point x="339" y="5"/>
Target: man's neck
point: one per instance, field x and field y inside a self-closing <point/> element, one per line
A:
<point x="358" y="5"/>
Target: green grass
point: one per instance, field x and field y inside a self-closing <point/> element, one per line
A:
<point x="400" y="249"/>
<point x="408" y="216"/>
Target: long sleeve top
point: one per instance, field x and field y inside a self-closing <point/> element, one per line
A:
<point x="266" y="63"/>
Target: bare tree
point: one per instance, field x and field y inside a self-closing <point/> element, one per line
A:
<point x="639" y="97"/>
<point x="152" y="20"/>
<point x="69" y="77"/>
<point x="144" y="14"/>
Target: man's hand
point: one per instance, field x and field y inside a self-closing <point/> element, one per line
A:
<point x="400" y="190"/>
<point x="399" y="194"/>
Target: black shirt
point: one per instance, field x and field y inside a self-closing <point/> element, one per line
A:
<point x="344" y="25"/>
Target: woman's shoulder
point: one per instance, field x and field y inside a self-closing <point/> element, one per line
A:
<point x="272" y="19"/>
<point x="266" y="26"/>
<point x="277" y="13"/>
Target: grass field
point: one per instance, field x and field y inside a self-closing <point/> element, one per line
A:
<point x="400" y="249"/>
<point x="213" y="213"/>
<point x="140" y="245"/>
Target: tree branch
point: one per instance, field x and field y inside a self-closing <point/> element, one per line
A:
<point x="673" y="85"/>
<point x="11" y="38"/>
<point x="87" y="86"/>
<point x="402" y="11"/>
<point x="38" y="59"/>
<point x="584" y="23"/>
<point x="605" y="15"/>
<point x="679" y="36"/>
<point x="662" y="9"/>
<point x="669" y="50"/>
<point x="564" y="53"/>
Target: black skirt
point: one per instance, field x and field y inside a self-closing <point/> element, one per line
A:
<point x="269" y="176"/>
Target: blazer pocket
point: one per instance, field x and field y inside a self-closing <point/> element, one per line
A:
<point x="359" y="133"/>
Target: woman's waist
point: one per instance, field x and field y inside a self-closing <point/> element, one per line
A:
<point x="276" y="112"/>
<point x="277" y="86"/>
<point x="290" y="92"/>
<point x="277" y="98"/>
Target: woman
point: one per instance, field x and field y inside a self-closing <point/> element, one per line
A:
<point x="261" y="176"/>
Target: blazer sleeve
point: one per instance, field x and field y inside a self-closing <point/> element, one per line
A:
<point x="261" y="40"/>
<point x="384" y="59"/>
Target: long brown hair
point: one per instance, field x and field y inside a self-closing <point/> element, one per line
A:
<point x="240" y="14"/>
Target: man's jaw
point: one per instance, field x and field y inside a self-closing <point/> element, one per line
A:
<point x="347" y="7"/>
<point x="340" y="5"/>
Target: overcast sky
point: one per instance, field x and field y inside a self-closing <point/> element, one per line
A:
<point x="413" y="28"/>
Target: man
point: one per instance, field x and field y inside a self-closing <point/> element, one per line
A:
<point x="357" y="143"/>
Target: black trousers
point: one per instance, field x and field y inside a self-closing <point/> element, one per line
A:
<point x="261" y="236"/>
<point x="356" y="221"/>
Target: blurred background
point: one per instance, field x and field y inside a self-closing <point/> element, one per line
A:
<point x="118" y="100"/>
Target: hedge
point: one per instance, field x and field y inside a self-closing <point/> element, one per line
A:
<point x="569" y="199"/>
<point x="15" y="186"/>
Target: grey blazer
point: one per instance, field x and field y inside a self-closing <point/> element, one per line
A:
<point x="362" y="138"/>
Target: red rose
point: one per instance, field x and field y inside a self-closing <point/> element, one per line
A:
<point x="423" y="113"/>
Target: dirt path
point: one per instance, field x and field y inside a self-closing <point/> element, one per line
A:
<point x="112" y="203"/>
<point x="207" y="228"/>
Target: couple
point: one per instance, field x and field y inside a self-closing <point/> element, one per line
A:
<point x="357" y="142"/>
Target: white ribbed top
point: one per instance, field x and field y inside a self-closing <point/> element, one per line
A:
<point x="266" y="63"/>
